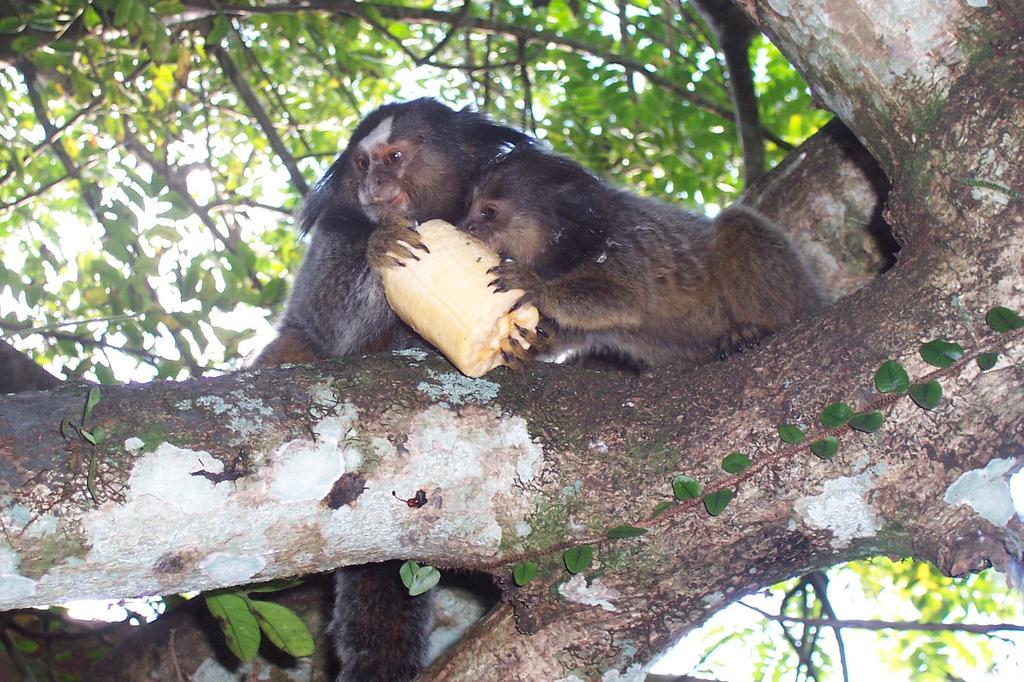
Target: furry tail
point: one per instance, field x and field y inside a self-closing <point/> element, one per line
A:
<point x="379" y="631"/>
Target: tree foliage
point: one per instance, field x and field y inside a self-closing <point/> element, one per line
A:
<point x="155" y="151"/>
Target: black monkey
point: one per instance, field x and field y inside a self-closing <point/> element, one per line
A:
<point x="628" y="277"/>
<point x="411" y="160"/>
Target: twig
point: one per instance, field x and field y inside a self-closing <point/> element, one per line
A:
<point x="903" y="626"/>
<point x="819" y="581"/>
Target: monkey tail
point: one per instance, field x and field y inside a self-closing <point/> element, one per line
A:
<point x="380" y="633"/>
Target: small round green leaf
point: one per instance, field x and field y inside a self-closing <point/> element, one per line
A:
<point x="987" y="361"/>
<point x="685" y="488"/>
<point x="892" y="378"/>
<point x="716" y="502"/>
<point x="424" y="578"/>
<point x="664" y="505"/>
<point x="735" y="462"/>
<point x="236" y="620"/>
<point x="619" y="532"/>
<point x="835" y="415"/>
<point x="524" y="572"/>
<point x="826" y="447"/>
<point x="578" y="558"/>
<point x="940" y="353"/>
<point x="791" y="433"/>
<point x="1003" y="319"/>
<point x="927" y="395"/>
<point x="868" y="422"/>
<point x="283" y="628"/>
<point x="407" y="572"/>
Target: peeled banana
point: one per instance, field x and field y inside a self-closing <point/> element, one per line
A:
<point x="445" y="297"/>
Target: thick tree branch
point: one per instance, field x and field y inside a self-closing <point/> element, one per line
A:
<point x="19" y="373"/>
<point x="734" y="32"/>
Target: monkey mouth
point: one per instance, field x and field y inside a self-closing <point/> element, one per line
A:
<point x="399" y="202"/>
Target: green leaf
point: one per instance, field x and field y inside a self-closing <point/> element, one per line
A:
<point x="835" y="415"/>
<point x="407" y="572"/>
<point x="1003" y="319"/>
<point x="86" y="434"/>
<point x="892" y="378"/>
<point x="123" y="12"/>
<point x="578" y="558"/>
<point x="826" y="447"/>
<point x="12" y="25"/>
<point x="716" y="502"/>
<point x="868" y="422"/>
<point x="619" y="532"/>
<point x="735" y="462"/>
<point x="418" y="579"/>
<point x="685" y="488"/>
<point x="241" y="630"/>
<point x="24" y="43"/>
<point x="941" y="353"/>
<point x="218" y="31"/>
<point x="664" y="505"/>
<point x="524" y="572"/>
<point x="283" y="628"/>
<point x="987" y="361"/>
<point x="791" y="433"/>
<point x="91" y="402"/>
<point x="927" y="395"/>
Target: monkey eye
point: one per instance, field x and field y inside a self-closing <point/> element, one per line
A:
<point x="489" y="213"/>
<point x="363" y="162"/>
<point x="395" y="156"/>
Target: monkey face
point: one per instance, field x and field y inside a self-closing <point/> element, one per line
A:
<point x="403" y="165"/>
<point x="511" y="229"/>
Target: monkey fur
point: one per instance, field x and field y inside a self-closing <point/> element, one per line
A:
<point x="405" y="163"/>
<point x="619" y="276"/>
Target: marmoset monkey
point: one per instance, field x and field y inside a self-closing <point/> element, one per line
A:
<point x="413" y="160"/>
<point x="622" y="276"/>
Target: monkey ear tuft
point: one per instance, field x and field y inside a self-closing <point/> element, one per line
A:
<point x="320" y="198"/>
<point x="489" y="137"/>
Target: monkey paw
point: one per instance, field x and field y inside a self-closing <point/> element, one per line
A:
<point x="737" y="340"/>
<point x="523" y="345"/>
<point x="393" y="242"/>
<point x="509" y="275"/>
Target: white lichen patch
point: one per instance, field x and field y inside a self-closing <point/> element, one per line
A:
<point x="414" y="353"/>
<point x="133" y="445"/>
<point x="843" y="509"/>
<point x="13" y="586"/>
<point x="306" y="470"/>
<point x="713" y="599"/>
<point x="596" y="593"/>
<point x="986" y="491"/>
<point x="456" y="389"/>
<point x="19" y="520"/>
<point x="244" y="413"/>
<point x="470" y="466"/>
<point x="231" y="569"/>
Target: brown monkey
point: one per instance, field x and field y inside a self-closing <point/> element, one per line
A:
<point x="409" y="162"/>
<point x="622" y="276"/>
